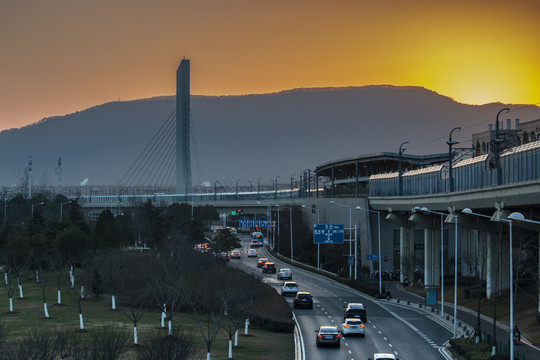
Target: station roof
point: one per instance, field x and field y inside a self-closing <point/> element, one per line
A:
<point x="378" y="163"/>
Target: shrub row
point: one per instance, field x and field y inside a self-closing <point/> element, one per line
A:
<point x="272" y="312"/>
<point x="469" y="350"/>
<point x="364" y="286"/>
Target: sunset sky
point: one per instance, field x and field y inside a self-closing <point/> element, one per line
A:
<point x="61" y="56"/>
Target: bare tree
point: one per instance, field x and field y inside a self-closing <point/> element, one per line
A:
<point x="106" y="343"/>
<point x="20" y="267"/>
<point x="179" y="345"/>
<point x="39" y="344"/>
<point x="236" y="294"/>
<point x="112" y="262"/>
<point x="165" y="279"/>
<point x="59" y="267"/>
<point x="133" y="293"/>
<point x="202" y="298"/>
<point x="78" y="299"/>
<point x="10" y="290"/>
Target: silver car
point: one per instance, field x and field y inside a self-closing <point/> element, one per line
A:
<point x="381" y="356"/>
<point x="284" y="274"/>
<point x="289" y="288"/>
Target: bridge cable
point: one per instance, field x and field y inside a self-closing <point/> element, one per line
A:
<point x="144" y="150"/>
<point x="143" y="167"/>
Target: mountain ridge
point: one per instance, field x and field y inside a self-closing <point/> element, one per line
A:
<point x="247" y="137"/>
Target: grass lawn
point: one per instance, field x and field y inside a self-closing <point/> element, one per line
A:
<point x="525" y="309"/>
<point x="28" y="315"/>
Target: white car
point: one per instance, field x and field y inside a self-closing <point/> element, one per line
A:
<point x="386" y="356"/>
<point x="289" y="288"/>
<point x="252" y="253"/>
<point x="353" y="327"/>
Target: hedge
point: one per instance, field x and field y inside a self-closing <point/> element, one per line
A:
<point x="272" y="312"/>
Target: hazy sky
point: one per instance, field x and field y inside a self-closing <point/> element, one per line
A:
<point x="61" y="56"/>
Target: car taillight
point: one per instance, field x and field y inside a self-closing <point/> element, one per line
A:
<point x="346" y="326"/>
<point x="319" y="335"/>
<point x="337" y="336"/>
<point x="362" y="326"/>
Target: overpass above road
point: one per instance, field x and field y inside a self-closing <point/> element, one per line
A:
<point x="494" y="186"/>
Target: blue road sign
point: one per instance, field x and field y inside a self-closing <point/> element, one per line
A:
<point x="431" y="297"/>
<point x="253" y="223"/>
<point x="328" y="234"/>
<point x="350" y="260"/>
<point x="372" y="257"/>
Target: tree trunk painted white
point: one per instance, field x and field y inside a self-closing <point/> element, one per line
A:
<point x="208" y="356"/>
<point x="135" y="341"/>
<point x="10" y="304"/>
<point x="170" y="327"/>
<point x="37" y="276"/>
<point x="236" y="338"/>
<point x="163" y="315"/>
<point x="6" y="278"/>
<point x="72" y="279"/>
<point x="246" y="327"/>
<point x="494" y="350"/>
<point x="230" y="348"/>
<point x="81" y="321"/>
<point x="59" y="297"/>
<point x="21" y="296"/>
<point x="45" y="309"/>
<point x="82" y="291"/>
<point x="113" y="300"/>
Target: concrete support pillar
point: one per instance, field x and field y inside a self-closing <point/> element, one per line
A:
<point x="432" y="257"/>
<point x="498" y="263"/>
<point x="406" y="254"/>
<point x="491" y="265"/>
<point x="469" y="252"/>
<point x="504" y="272"/>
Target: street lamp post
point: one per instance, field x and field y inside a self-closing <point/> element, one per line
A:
<point x="290" y="226"/>
<point x="258" y="188"/>
<point x="41" y="203"/>
<point x="513" y="217"/>
<point x="399" y="168"/>
<point x="278" y="238"/>
<point x="292" y="177"/>
<point x="5" y="211"/>
<point x="269" y="218"/>
<point x="498" y="140"/>
<point x="379" y="231"/>
<point x="350" y="238"/>
<point x="426" y="210"/>
<point x="318" y="245"/>
<point x="237" y="180"/>
<point x="61" y="205"/>
<point x="250" y="185"/>
<point x="450" y="142"/>
<point x="275" y="188"/>
<point x="215" y="189"/>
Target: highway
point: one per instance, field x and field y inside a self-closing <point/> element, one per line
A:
<point x="408" y="333"/>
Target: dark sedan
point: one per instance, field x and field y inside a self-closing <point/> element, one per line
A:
<point x="328" y="335"/>
<point x="303" y="299"/>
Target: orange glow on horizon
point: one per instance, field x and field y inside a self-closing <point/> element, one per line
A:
<point x="56" y="59"/>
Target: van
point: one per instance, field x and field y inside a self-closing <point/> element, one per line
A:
<point x="355" y="310"/>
